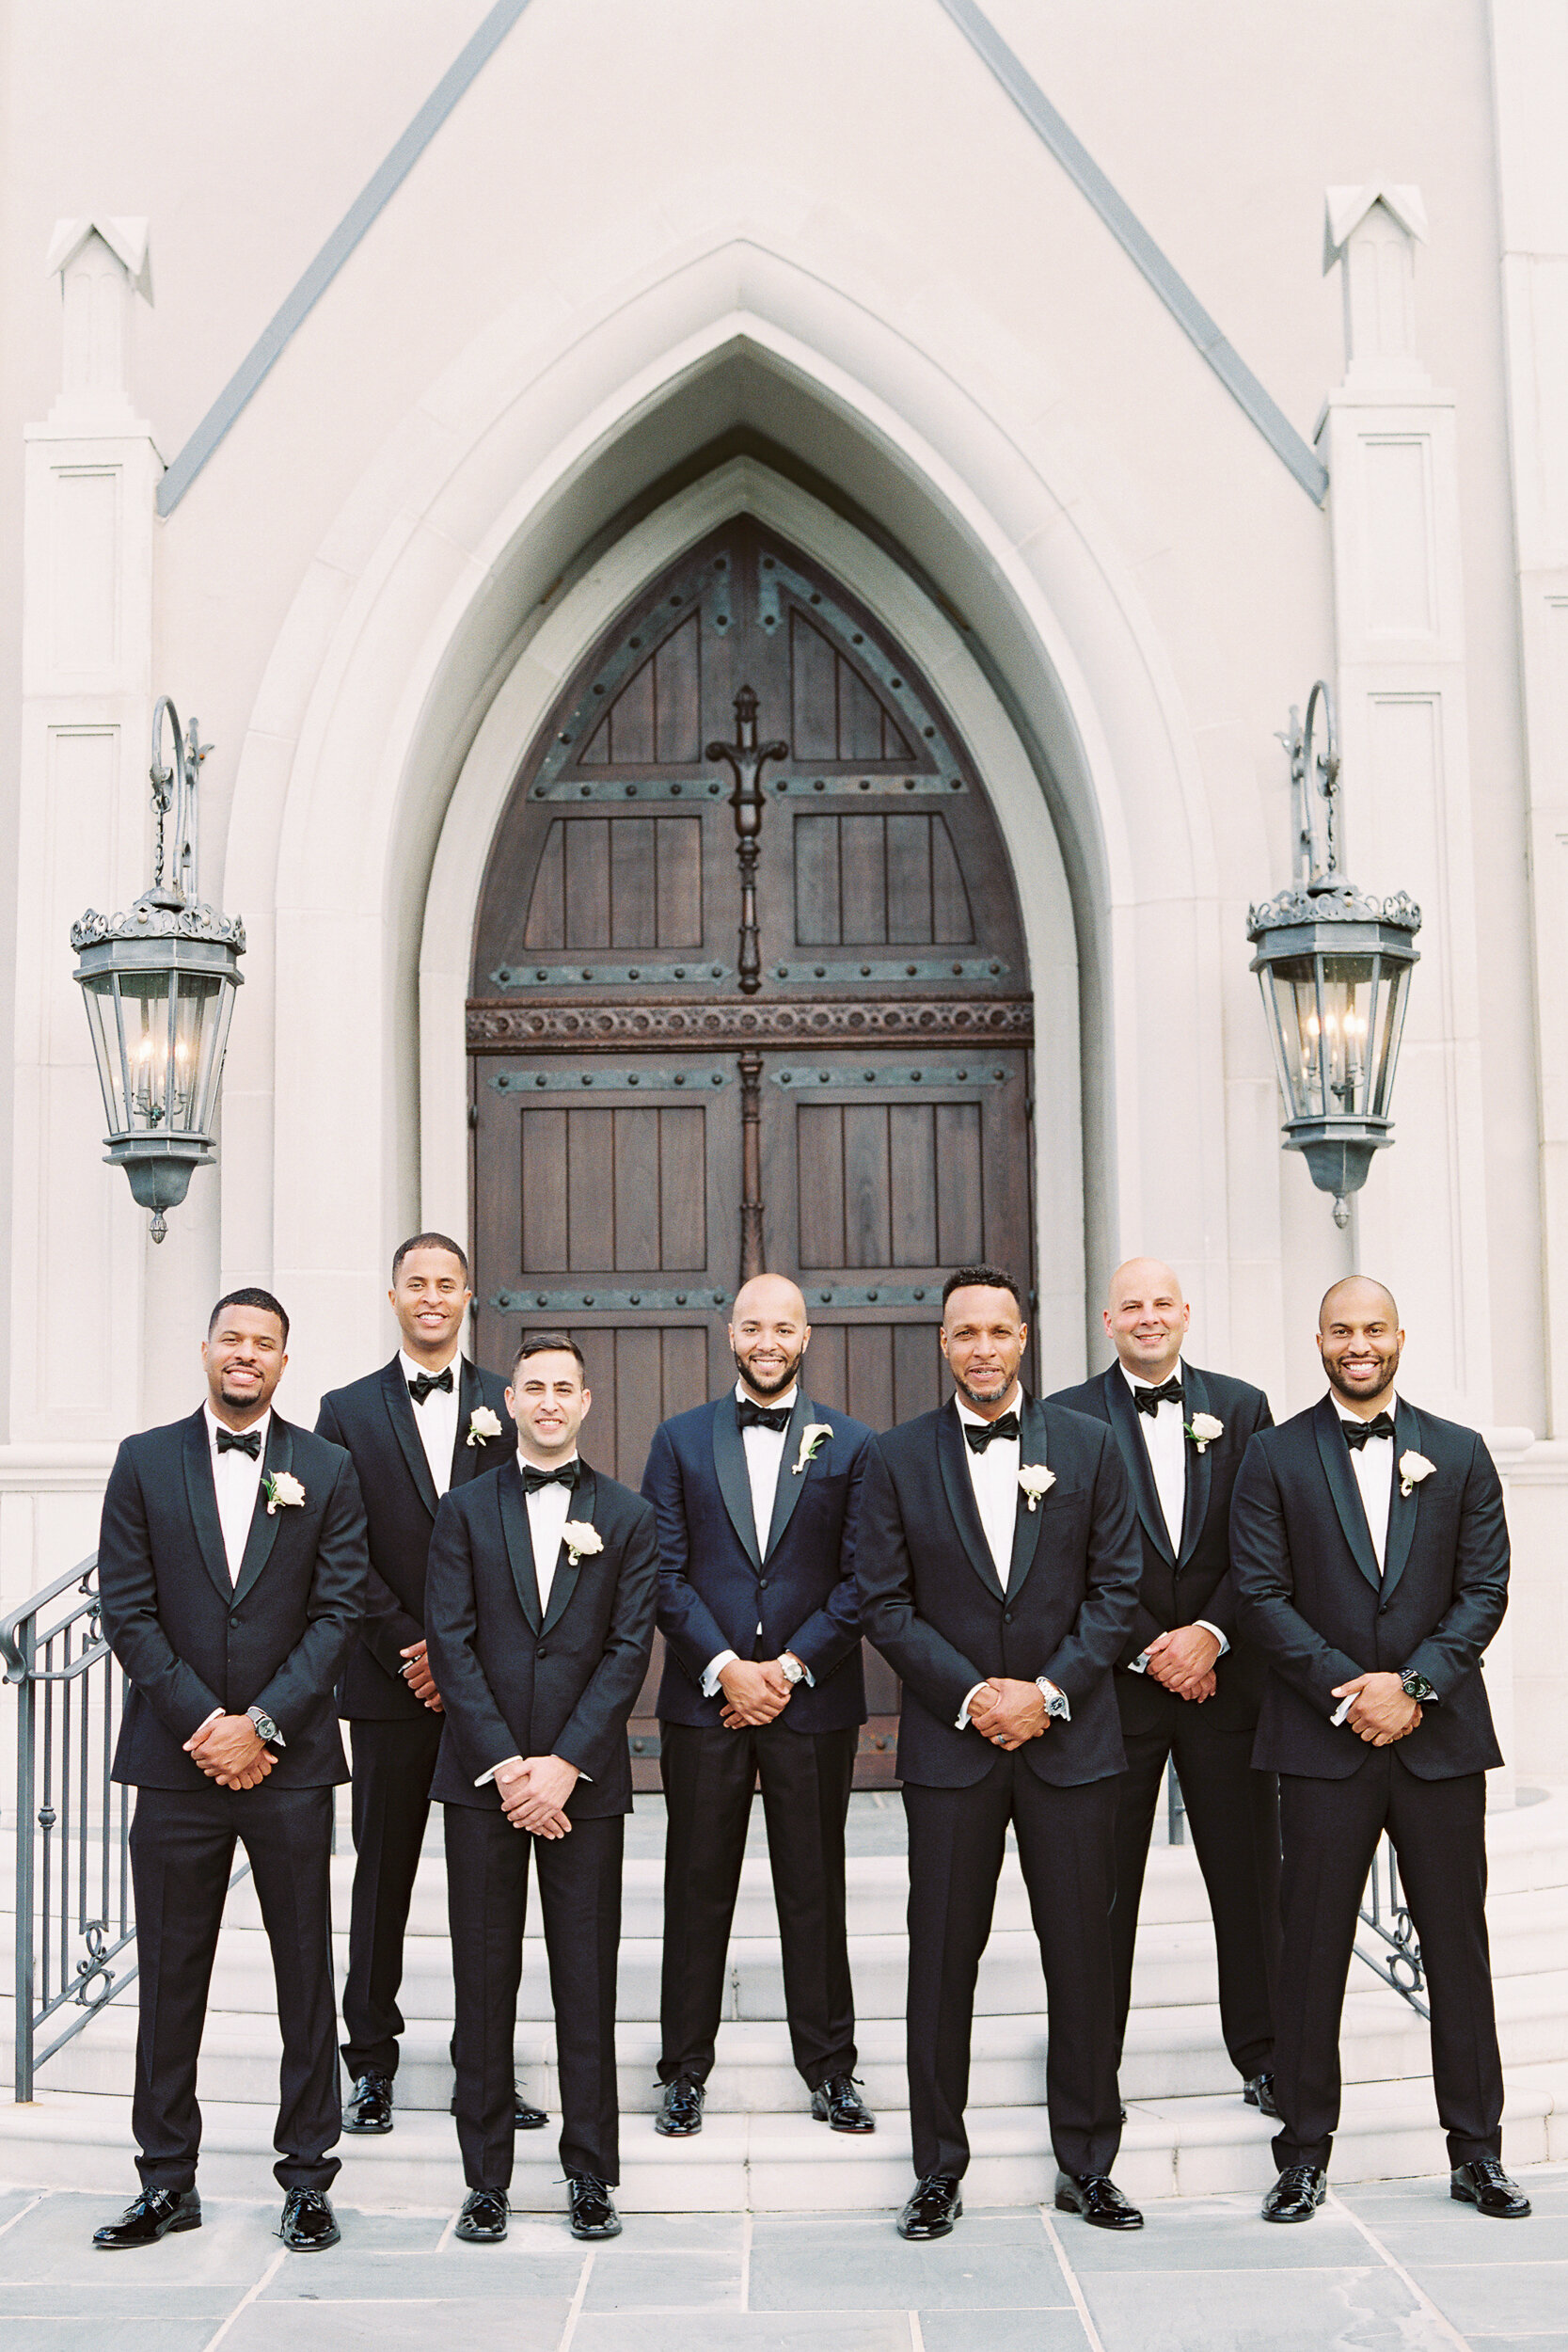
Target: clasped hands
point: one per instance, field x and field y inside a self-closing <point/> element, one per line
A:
<point x="231" y="1750"/>
<point x="754" y="1692"/>
<point x="1183" y="1660"/>
<point x="1383" y="1710"/>
<point x="419" y="1677"/>
<point x="533" y="1791"/>
<point x="1008" y="1713"/>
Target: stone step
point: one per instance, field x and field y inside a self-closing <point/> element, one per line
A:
<point x="783" y="2162"/>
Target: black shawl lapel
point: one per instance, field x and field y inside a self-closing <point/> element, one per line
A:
<point x="466" y="1458"/>
<point x="264" y="1524"/>
<point x="1194" y="1399"/>
<point x="1135" y="1454"/>
<point x="520" y="1542"/>
<point x="1342" y="1486"/>
<point x="201" y="1495"/>
<point x="1026" y="1527"/>
<point x="729" y="1463"/>
<point x="1401" y="1508"/>
<point x="786" y="1494"/>
<point x="960" y="1490"/>
<point x="566" y="1574"/>
<point x="400" y="1411"/>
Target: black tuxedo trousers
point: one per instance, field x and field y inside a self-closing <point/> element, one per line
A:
<point x="182" y="1857"/>
<point x="1438" y="1831"/>
<point x="579" y="1893"/>
<point x="394" y="1763"/>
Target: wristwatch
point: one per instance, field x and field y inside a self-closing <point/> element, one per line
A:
<point x="267" y="1730"/>
<point x="1055" y="1701"/>
<point x="792" y="1669"/>
<point x="1416" y="1687"/>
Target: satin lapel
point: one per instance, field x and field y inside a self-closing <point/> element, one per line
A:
<point x="264" y="1524"/>
<point x="1401" y="1508"/>
<point x="960" y="1490"/>
<point x="1346" y="1493"/>
<point x="520" y="1542"/>
<point x="786" y="1494"/>
<point x="567" y="1576"/>
<point x="1135" y="1454"/>
<point x="201" y="1495"/>
<point x="1026" y="1527"/>
<point x="1199" y="1468"/>
<point x="466" y="1458"/>
<point x="729" y="1463"/>
<point x="400" y="1413"/>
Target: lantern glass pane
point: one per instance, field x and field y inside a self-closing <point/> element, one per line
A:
<point x="167" y="1017"/>
<point x="1390" y="1021"/>
<point x="103" y="1027"/>
<point x="1323" y="1005"/>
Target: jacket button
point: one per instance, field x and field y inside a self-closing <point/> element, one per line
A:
<point x="762" y="1584"/>
<point x="544" y="1653"/>
<point x="1006" y="1616"/>
<point x="1383" y="1608"/>
<point x="233" y="1622"/>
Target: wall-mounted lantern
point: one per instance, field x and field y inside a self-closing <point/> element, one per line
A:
<point x="159" y="984"/>
<point x="1334" y="965"/>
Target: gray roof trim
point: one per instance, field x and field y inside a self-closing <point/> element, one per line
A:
<point x="252" y="370"/>
<point x="1135" y="241"/>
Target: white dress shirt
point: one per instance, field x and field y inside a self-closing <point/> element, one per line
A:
<point x="1373" y="1464"/>
<point x="1164" y="1436"/>
<point x="994" y="1475"/>
<point x="436" y="1419"/>
<point x="549" y="1510"/>
<point x="764" y="1461"/>
<point x="236" y="1480"/>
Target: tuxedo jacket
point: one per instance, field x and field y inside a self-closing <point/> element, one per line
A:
<point x="716" y="1583"/>
<point x="191" y="1640"/>
<point x="1312" y="1601"/>
<point x="1193" y="1581"/>
<point x="933" y="1604"/>
<point x="374" y="1418"/>
<point x="518" y="1680"/>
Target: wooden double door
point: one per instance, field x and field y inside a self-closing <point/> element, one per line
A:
<point x="659" y="1104"/>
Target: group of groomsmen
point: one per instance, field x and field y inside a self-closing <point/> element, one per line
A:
<point x="1072" y="1591"/>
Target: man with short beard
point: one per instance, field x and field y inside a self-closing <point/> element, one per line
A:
<point x="757" y="1496"/>
<point x="1371" y="1555"/>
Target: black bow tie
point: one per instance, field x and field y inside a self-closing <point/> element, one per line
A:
<point x="1149" y="1400"/>
<point x="978" y="1434"/>
<point x="1357" y="1432"/>
<point x="423" y="1382"/>
<point x="754" y="1416"/>
<point x="565" y="1474"/>
<point x="241" y="1441"/>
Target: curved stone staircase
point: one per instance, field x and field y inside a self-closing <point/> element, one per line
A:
<point x="1188" y="2132"/>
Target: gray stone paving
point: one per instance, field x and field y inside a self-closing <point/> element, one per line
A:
<point x="1392" y="2267"/>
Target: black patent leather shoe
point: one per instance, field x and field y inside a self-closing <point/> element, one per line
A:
<point x="1487" y="2186"/>
<point x="307" y="2225"/>
<point x="591" y="2206"/>
<point x="1096" y="2196"/>
<point x="483" y="2220"/>
<point x="1297" y="2193"/>
<point x="680" y="2111"/>
<point x="524" y="2117"/>
<point x="370" y="2105"/>
<point x="1258" y="2091"/>
<point x="839" y="2105"/>
<point x="158" y="2213"/>
<point x="937" y="2203"/>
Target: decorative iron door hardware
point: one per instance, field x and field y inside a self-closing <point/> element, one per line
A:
<point x="745" y="759"/>
<point x="605" y="975"/>
<point x="919" y="968"/>
<point x="869" y="1073"/>
<point x="598" y="1302"/>
<point x="606" y="1081"/>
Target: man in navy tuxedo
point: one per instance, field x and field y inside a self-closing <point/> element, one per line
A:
<point x="756" y="1497"/>
<point x="998" y="1564"/>
<point x="539" y="1605"/>
<point x="1186" y="1682"/>
<point x="231" y="1574"/>
<point x="427" y="1421"/>
<point x="1371" y="1555"/>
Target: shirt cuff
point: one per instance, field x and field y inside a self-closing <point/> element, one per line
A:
<point x="1343" y="1710"/>
<point x="963" y="1723"/>
<point x="1219" y="1637"/>
<point x="714" y="1668"/>
<point x="1140" y="1664"/>
<point x="1056" y="1704"/>
<point x="201" y="1726"/>
<point x="485" y="1778"/>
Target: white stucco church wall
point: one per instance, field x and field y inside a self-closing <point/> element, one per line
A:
<point x="831" y="232"/>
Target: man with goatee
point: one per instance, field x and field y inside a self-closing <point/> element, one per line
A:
<point x="1371" y="1555"/>
<point x="757" y="1497"/>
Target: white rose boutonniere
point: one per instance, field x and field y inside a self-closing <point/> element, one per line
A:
<point x="482" y="1423"/>
<point x="1203" y="1429"/>
<point x="1414" y="1466"/>
<point x="811" y="1438"/>
<point x="283" y="1492"/>
<point x="1036" y="1479"/>
<point x="582" y="1539"/>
